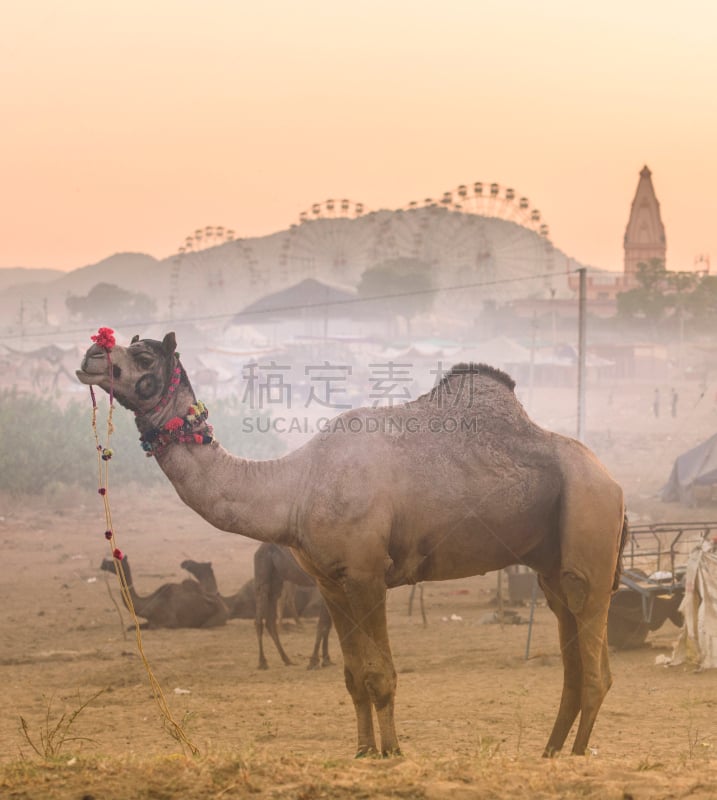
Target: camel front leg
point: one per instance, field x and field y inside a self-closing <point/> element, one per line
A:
<point x="359" y="614"/>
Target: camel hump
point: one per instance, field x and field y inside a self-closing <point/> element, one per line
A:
<point x="472" y="368"/>
<point x="465" y="381"/>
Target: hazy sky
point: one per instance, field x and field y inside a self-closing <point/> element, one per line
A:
<point x="126" y="125"/>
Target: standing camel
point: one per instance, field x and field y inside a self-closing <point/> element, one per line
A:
<point x="455" y="483"/>
<point x="274" y="566"/>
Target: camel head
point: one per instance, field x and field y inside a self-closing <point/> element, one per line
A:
<point x="140" y="374"/>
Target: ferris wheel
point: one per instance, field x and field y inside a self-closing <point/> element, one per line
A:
<point x="211" y="264"/>
<point x="332" y="240"/>
<point x="493" y="200"/>
<point x="479" y="233"/>
<point x="195" y="269"/>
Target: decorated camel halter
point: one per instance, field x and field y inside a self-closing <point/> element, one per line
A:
<point x="105" y="339"/>
<point x="190" y="429"/>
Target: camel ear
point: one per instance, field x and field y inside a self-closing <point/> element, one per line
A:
<point x="135" y="338"/>
<point x="169" y="343"/>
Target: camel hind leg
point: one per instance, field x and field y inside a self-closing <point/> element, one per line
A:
<point x="582" y="624"/>
<point x="266" y="614"/>
<point x="323" y="628"/>
<point x="597" y="679"/>
<point x="592" y="532"/>
<point x="570" y="700"/>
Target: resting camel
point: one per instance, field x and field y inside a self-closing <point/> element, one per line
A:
<point x="174" y="605"/>
<point x="240" y="605"/>
<point x="274" y="568"/>
<point x="455" y="483"/>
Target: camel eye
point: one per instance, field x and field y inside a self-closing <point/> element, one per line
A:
<point x="144" y="362"/>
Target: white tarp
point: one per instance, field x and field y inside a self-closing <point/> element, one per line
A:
<point x="698" y="638"/>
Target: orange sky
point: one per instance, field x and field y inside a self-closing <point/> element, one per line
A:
<point x="126" y="125"/>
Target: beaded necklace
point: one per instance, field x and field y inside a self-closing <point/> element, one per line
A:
<point x="190" y="429"/>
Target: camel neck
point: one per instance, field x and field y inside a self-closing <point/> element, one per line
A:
<point x="252" y="498"/>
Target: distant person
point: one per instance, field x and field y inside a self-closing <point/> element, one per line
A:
<point x="673" y="401"/>
<point x="656" y="403"/>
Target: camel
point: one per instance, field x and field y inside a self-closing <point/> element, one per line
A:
<point x="455" y="483"/>
<point x="274" y="568"/>
<point x="240" y="605"/>
<point x="173" y="605"/>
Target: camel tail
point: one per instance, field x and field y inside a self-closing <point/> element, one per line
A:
<point x="618" y="567"/>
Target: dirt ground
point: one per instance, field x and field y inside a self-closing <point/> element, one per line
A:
<point x="473" y="714"/>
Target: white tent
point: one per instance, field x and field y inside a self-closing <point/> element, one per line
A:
<point x="698" y="638"/>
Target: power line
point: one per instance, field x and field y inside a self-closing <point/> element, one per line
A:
<point x="293" y="307"/>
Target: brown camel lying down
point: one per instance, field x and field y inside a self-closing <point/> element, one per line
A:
<point x="240" y="605"/>
<point x="174" y="605"/>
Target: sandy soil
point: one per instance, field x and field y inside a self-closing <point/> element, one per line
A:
<point x="473" y="714"/>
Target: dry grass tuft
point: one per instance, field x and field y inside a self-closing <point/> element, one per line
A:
<point x="264" y="773"/>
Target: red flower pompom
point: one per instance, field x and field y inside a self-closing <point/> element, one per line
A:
<point x="118" y="554"/>
<point x="104" y="338"/>
<point x="198" y="438"/>
<point x="174" y="424"/>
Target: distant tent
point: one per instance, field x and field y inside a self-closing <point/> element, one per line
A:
<point x="54" y="353"/>
<point x="306" y="298"/>
<point x="502" y="352"/>
<point x="696" y="467"/>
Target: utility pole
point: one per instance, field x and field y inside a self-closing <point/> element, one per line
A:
<point x="581" y="354"/>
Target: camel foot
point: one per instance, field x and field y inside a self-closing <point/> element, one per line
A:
<point x="372" y="752"/>
<point x="314" y="663"/>
<point x="263" y="665"/>
<point x="551" y="752"/>
<point x="288" y="663"/>
<point x="366" y="752"/>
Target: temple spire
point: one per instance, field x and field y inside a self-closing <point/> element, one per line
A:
<point x="645" y="233"/>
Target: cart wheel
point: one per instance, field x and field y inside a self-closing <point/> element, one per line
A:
<point x="626" y="627"/>
<point x="677" y="618"/>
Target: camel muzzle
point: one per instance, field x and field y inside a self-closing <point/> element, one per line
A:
<point x="94" y="365"/>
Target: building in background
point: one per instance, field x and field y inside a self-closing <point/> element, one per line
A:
<point x="644" y="240"/>
<point x="645" y="233"/>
